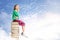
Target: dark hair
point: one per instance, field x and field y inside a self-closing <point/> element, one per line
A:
<point x="15" y="6"/>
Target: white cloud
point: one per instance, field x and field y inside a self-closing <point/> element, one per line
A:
<point x="4" y="35"/>
<point x="44" y="27"/>
<point x="5" y="20"/>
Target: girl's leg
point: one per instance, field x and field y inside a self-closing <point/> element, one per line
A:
<point x="21" y="23"/>
<point x="23" y="29"/>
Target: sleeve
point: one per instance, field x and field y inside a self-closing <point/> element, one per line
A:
<point x="15" y="13"/>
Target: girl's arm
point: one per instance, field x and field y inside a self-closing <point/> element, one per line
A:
<point x="17" y="17"/>
<point x="15" y="13"/>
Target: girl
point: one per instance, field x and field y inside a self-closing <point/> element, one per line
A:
<point x="15" y="17"/>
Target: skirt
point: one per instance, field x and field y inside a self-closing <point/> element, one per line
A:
<point x="21" y="23"/>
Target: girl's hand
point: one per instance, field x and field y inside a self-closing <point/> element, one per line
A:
<point x="16" y="17"/>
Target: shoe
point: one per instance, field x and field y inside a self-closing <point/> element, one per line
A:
<point x="22" y="33"/>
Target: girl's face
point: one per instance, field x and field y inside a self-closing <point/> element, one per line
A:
<point x="17" y="7"/>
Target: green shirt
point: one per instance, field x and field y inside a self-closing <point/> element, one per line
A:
<point x="15" y="14"/>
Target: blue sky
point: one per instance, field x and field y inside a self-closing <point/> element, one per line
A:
<point x="27" y="7"/>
